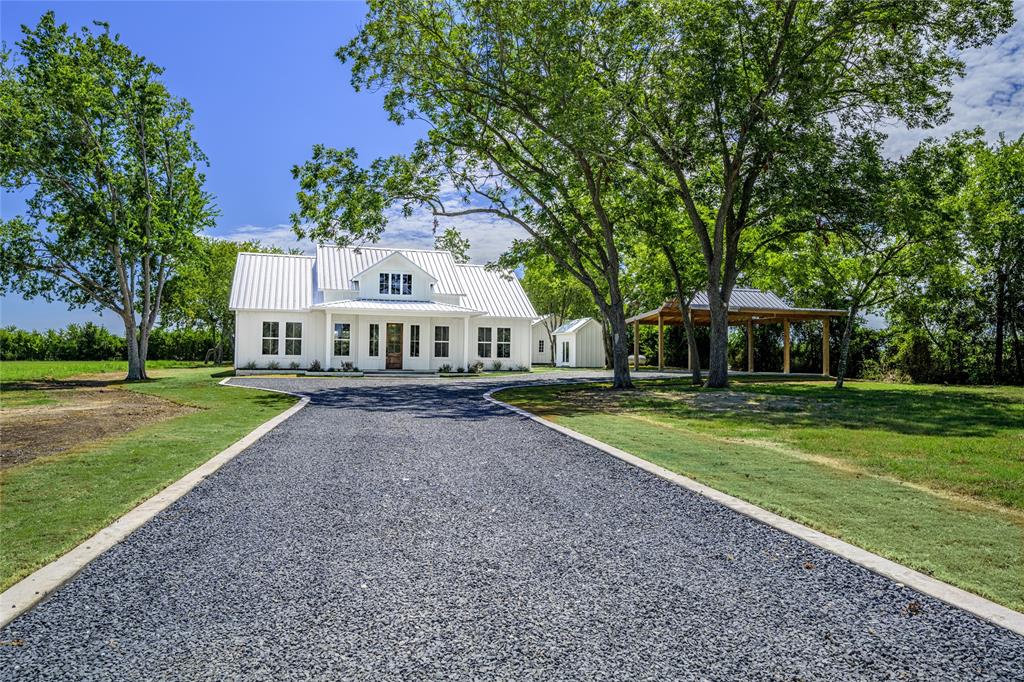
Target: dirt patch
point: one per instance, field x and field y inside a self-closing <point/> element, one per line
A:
<point x="706" y="401"/>
<point x="77" y="413"/>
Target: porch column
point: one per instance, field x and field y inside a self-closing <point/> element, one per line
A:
<point x="785" y="346"/>
<point x="636" y="345"/>
<point x="825" y="364"/>
<point x="750" y="344"/>
<point x="465" y="342"/>
<point x="661" y="343"/>
<point x="328" y="340"/>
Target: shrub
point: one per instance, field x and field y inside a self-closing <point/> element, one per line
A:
<point x="273" y="364"/>
<point x="879" y="370"/>
<point x="496" y="366"/>
<point x="461" y="370"/>
<point x="346" y="367"/>
<point x="250" y="365"/>
<point x="476" y="367"/>
<point x="446" y="368"/>
<point x="293" y="365"/>
<point x="315" y="366"/>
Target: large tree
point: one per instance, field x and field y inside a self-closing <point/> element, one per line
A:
<point x="555" y="295"/>
<point x="116" y="194"/>
<point x="518" y="127"/>
<point x="732" y="98"/>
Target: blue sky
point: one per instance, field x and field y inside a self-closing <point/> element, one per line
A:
<point x="265" y="86"/>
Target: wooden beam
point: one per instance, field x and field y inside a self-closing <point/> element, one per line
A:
<point x="750" y="345"/>
<point x="636" y="346"/>
<point x="826" y="366"/>
<point x="785" y="346"/>
<point x="661" y="343"/>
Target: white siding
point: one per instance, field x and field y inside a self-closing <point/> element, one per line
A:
<point x="586" y="346"/>
<point x="249" y="338"/>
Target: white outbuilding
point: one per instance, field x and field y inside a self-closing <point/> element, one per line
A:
<point x="579" y="343"/>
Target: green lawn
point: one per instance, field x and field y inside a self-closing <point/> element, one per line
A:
<point x="51" y="504"/>
<point x="929" y="476"/>
<point x="48" y="370"/>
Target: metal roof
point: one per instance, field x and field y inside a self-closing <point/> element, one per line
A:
<point x="745" y="298"/>
<point x="497" y="293"/>
<point x="338" y="265"/>
<point x="743" y="304"/>
<point x="572" y="326"/>
<point x="367" y="304"/>
<point x="272" y="281"/>
<point x="278" y="282"/>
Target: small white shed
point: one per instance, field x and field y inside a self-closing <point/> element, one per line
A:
<point x="542" y="344"/>
<point x="579" y="343"/>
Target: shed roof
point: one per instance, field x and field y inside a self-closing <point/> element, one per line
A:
<point x="572" y="326"/>
<point x="272" y="281"/>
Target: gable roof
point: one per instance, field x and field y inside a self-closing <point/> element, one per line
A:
<point x="499" y="294"/>
<point x="272" y="281"/>
<point x="394" y="256"/>
<point x="573" y="326"/>
<point x="337" y="266"/>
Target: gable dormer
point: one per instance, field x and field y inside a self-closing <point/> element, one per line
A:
<point x="395" y="277"/>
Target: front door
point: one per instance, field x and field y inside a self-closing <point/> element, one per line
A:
<point x="393" y="346"/>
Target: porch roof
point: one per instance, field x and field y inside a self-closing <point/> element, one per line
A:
<point x="759" y="307"/>
<point x="364" y="305"/>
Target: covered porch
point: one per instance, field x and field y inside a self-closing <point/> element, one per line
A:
<point x="747" y="307"/>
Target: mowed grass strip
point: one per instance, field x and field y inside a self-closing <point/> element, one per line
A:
<point x="51" y="504"/>
<point x="931" y="477"/>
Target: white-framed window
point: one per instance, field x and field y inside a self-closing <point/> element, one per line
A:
<point x="293" y="338"/>
<point x="342" y="338"/>
<point x="271" y="331"/>
<point x="483" y="342"/>
<point x="395" y="283"/>
<point x="374" y="340"/>
<point x="441" y="342"/>
<point x="504" y="342"/>
<point x="414" y="340"/>
<point x="565" y="351"/>
<point x="540" y="346"/>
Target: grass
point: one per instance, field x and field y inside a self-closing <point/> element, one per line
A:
<point x="929" y="476"/>
<point x="51" y="504"/>
<point x="50" y="370"/>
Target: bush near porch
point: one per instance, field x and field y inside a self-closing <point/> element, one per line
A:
<point x="929" y="476"/>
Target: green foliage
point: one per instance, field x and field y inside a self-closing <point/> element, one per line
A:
<point x="451" y="240"/>
<point x="92" y="342"/>
<point x="117" y="195"/>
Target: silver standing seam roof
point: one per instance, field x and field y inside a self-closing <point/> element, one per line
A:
<point x="572" y="326"/>
<point x="280" y="282"/>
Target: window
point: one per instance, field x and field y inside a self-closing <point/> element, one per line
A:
<point x="414" y="340"/>
<point x="293" y="338"/>
<point x="504" y="342"/>
<point x="483" y="342"/>
<point x="374" y="340"/>
<point x="342" y="338"/>
<point x="565" y="351"/>
<point x="540" y="346"/>
<point x="395" y="283"/>
<point x="270" y="334"/>
<point x="440" y="342"/>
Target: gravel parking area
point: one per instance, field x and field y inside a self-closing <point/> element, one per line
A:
<point x="407" y="529"/>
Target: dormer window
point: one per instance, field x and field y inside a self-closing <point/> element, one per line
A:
<point x="395" y="283"/>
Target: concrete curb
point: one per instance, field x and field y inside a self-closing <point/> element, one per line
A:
<point x="972" y="603"/>
<point x="26" y="593"/>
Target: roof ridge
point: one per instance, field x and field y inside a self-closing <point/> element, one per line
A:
<point x="386" y="248"/>
<point x="280" y="255"/>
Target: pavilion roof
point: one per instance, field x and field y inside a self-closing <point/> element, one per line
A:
<point x="745" y="304"/>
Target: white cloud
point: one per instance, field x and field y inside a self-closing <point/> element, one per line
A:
<point x="990" y="95"/>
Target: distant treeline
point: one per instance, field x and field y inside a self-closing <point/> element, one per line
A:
<point x="92" y="342"/>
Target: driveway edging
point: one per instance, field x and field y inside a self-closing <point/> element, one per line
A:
<point x="962" y="599"/>
<point x="29" y="591"/>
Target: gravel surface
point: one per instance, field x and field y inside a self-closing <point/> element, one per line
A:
<point x="398" y="529"/>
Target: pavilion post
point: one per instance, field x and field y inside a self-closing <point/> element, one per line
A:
<point x="661" y="342"/>
<point x="750" y="344"/>
<point x="785" y="346"/>
<point x="826" y="366"/>
<point x="636" y="345"/>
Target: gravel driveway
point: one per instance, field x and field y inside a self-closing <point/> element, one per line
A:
<point x="398" y="529"/>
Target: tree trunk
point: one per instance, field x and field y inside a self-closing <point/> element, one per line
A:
<point x="1000" y="323"/>
<point x="609" y="349"/>
<point x="131" y="342"/>
<point x="844" y="346"/>
<point x="718" y="356"/>
<point x="693" y="353"/>
<point x="143" y="351"/>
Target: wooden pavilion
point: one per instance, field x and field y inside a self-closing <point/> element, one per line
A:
<point x="746" y="307"/>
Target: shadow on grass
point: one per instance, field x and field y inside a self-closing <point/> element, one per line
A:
<point x="913" y="410"/>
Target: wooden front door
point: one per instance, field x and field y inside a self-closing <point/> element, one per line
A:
<point x="393" y="346"/>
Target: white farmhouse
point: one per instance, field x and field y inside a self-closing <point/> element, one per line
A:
<point x="377" y="309"/>
<point x="579" y="343"/>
